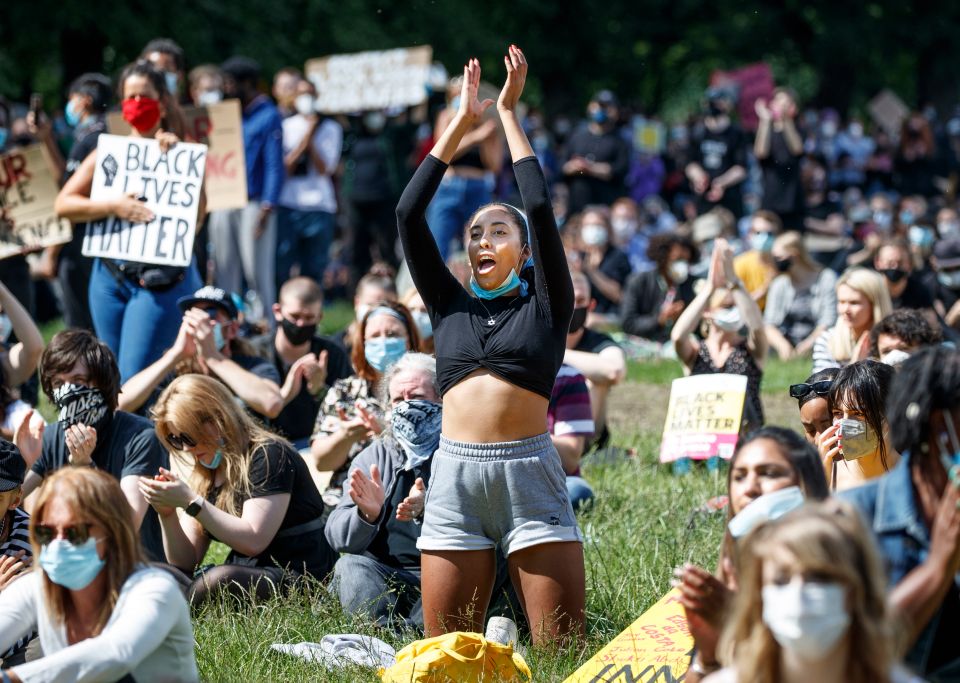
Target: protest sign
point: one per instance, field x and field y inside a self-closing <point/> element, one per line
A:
<point x="28" y="190"/>
<point x="656" y="647"/>
<point x="703" y="418"/>
<point x="649" y="135"/>
<point x="168" y="184"/>
<point x="888" y="111"/>
<point x="371" y="80"/>
<point x="751" y="82"/>
<point x="218" y="127"/>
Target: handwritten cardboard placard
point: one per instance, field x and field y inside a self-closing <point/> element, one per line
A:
<point x="168" y="184"/>
<point x="219" y="127"/>
<point x="889" y="111"/>
<point x="28" y="190"/>
<point x="751" y="82"/>
<point x="371" y="80"/>
<point x="649" y="135"/>
<point x="703" y="418"/>
<point x="656" y="647"/>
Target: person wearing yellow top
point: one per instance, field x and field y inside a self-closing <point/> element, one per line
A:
<point x="857" y="446"/>
<point x="756" y="267"/>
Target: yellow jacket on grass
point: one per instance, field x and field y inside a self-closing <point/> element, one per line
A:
<point x="456" y="658"/>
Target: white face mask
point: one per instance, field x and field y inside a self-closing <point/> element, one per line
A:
<point x="807" y="618"/>
<point x="728" y="319"/>
<point x="205" y="99"/>
<point x="766" y="508"/>
<point x="593" y="234"/>
<point x="304" y="104"/>
<point x="624" y="228"/>
<point x="679" y="271"/>
<point x="362" y="311"/>
<point x="948" y="229"/>
<point x="894" y="357"/>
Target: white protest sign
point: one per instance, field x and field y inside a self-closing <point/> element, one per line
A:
<point x="371" y="80"/>
<point x="168" y="184"/>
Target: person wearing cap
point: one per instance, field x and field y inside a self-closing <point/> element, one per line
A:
<point x="946" y="259"/>
<point x="718" y="156"/>
<point x="16" y="555"/>
<point x="207" y="343"/>
<point x="597" y="157"/>
<point x="79" y="375"/>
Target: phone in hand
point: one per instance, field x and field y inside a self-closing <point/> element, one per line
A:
<point x="36" y="107"/>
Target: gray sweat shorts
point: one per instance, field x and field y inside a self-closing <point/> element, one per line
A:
<point x="513" y="493"/>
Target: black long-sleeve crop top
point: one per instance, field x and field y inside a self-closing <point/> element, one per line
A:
<point x="525" y="344"/>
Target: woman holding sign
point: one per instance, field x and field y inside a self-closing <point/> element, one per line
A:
<point x="497" y="477"/>
<point x="133" y="305"/>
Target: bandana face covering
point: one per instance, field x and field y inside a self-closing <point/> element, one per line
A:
<point x="80" y="404"/>
<point x="416" y="427"/>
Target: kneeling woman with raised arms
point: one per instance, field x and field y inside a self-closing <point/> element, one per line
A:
<point x="496" y="478"/>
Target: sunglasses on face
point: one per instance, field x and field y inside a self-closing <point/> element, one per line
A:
<point x="821" y="388"/>
<point x="75" y="535"/>
<point x="181" y="441"/>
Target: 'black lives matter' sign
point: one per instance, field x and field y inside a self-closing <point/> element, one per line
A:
<point x="168" y="184"/>
<point x="28" y="190"/>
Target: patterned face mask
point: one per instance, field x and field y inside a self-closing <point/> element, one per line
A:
<point x="416" y="427"/>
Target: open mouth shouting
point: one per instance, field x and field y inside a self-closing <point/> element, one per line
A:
<point x="485" y="264"/>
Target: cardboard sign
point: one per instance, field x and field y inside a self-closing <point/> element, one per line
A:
<point x="752" y="82"/>
<point x="656" y="647"/>
<point x="219" y="127"/>
<point x="703" y="418"/>
<point x="169" y="185"/>
<point x="371" y="80"/>
<point x="28" y="190"/>
<point x="888" y="111"/>
<point x="649" y="135"/>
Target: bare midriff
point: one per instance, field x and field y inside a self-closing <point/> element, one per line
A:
<point x="483" y="408"/>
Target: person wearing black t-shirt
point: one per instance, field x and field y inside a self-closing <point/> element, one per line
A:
<point x="718" y="157"/>
<point x="238" y="484"/>
<point x="779" y="148"/>
<point x="89" y="97"/>
<point x="308" y="363"/>
<point x="79" y="375"/>
<point x="597" y="157"/>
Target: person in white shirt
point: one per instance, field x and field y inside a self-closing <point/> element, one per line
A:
<point x="101" y="612"/>
<point x="308" y="202"/>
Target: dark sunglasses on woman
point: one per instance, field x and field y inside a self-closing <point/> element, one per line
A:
<point x="821" y="388"/>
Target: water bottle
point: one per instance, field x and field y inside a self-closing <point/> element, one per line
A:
<point x="681" y="466"/>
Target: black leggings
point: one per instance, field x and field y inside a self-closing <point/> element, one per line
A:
<point x="259" y="583"/>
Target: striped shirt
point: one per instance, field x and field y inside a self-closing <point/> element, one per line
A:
<point x="569" y="412"/>
<point x="19" y="539"/>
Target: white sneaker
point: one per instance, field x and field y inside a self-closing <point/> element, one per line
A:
<point x="503" y="630"/>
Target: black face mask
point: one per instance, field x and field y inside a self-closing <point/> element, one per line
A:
<point x="783" y="264"/>
<point x="296" y="334"/>
<point x="578" y="320"/>
<point x="894" y="274"/>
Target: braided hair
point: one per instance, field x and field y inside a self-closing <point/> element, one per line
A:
<point x="928" y="380"/>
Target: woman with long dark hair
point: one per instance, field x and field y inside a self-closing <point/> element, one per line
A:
<point x="497" y="478"/>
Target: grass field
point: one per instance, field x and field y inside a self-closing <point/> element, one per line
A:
<point x="645" y="522"/>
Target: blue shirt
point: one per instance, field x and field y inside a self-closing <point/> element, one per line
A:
<point x="889" y="506"/>
<point x="263" y="149"/>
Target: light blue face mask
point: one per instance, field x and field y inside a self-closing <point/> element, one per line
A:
<point x="215" y="463"/>
<point x="511" y="282"/>
<point x="173" y="82"/>
<point x="3" y="137"/>
<point x="761" y="241"/>
<point x="72" y="566"/>
<point x="766" y="508"/>
<point x="71" y="114"/>
<point x="218" y="338"/>
<point x="424" y="326"/>
<point x="382" y="352"/>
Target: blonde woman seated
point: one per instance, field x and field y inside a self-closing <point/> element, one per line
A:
<point x="812" y="604"/>
<point x="735" y="342"/>
<point x="801" y="301"/>
<point x="246" y="488"/>
<point x="862" y="302"/>
<point x="101" y="612"/>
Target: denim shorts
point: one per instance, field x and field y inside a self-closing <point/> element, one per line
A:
<point x="512" y="493"/>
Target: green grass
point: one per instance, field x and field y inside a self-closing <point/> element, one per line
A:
<point x="778" y="375"/>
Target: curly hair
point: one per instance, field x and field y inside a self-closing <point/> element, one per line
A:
<point x="908" y="325"/>
<point x="660" y="245"/>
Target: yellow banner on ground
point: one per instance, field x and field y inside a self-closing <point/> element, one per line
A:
<point x="656" y="647"/>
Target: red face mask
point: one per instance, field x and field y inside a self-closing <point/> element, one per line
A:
<point x="142" y="113"/>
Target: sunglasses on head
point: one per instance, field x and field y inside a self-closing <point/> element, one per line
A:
<point x="75" y="535"/>
<point x="180" y="441"/>
<point x="821" y="388"/>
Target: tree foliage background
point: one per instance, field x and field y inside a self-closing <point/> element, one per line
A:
<point x="657" y="54"/>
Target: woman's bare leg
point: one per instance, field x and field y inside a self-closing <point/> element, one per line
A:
<point x="456" y="586"/>
<point x="550" y="583"/>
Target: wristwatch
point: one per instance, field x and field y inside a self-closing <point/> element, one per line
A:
<point x="193" y="509"/>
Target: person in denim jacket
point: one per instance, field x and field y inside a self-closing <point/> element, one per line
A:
<point x="913" y="509"/>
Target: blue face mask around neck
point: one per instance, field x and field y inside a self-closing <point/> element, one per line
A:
<point x="215" y="463"/>
<point x="511" y="282"/>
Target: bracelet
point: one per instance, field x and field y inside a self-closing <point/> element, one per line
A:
<point x="698" y="667"/>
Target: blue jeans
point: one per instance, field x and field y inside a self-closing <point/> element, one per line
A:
<point x="579" y="492"/>
<point x="303" y="237"/>
<point x="137" y="324"/>
<point x="453" y="204"/>
<point x="388" y="596"/>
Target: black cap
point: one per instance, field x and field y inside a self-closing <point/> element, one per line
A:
<point x="947" y="253"/>
<point x="606" y="98"/>
<point x="209" y="295"/>
<point x="12" y="466"/>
